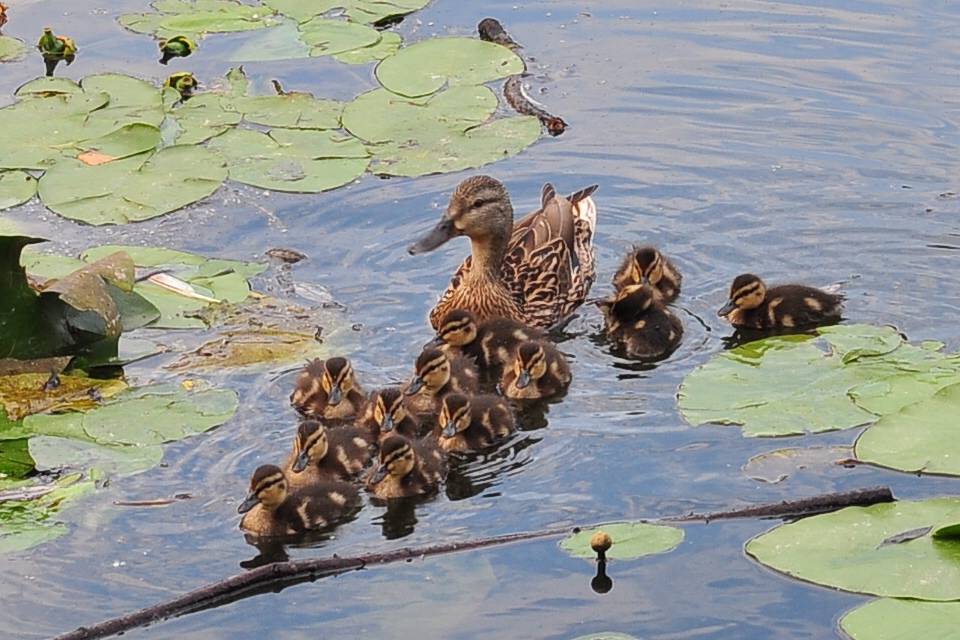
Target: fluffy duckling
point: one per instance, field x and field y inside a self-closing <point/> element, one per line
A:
<point x="438" y="374"/>
<point x="328" y="389"/>
<point x="387" y="415"/>
<point x="490" y="344"/>
<point x="539" y="370"/>
<point x="470" y="423"/>
<point x="408" y="468"/>
<point x="752" y="305"/>
<point x="272" y="508"/>
<point x="319" y="453"/>
<point x="646" y="265"/>
<point x="639" y="323"/>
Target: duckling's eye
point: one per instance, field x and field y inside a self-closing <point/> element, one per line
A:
<point x="477" y="203"/>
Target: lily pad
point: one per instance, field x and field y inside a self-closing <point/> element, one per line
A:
<point x="145" y="416"/>
<point x="921" y="437"/>
<point x="16" y="187"/>
<point x="12" y="49"/>
<point x="850" y="549"/>
<point x="790" y="385"/>
<point x="425" y="67"/>
<point x="133" y="189"/>
<point x="327" y="37"/>
<point x="290" y="111"/>
<point x="896" y="619"/>
<point x="198" y="119"/>
<point x="195" y="19"/>
<point x="277" y="43"/>
<point x="51" y="452"/>
<point x="300" y="161"/>
<point x="27" y="523"/>
<point x="27" y="393"/>
<point x="360" y="11"/>
<point x="15" y="460"/>
<point x="389" y="44"/>
<point x="630" y="540"/>
<point x="777" y="466"/>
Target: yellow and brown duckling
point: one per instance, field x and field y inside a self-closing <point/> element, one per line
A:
<point x="536" y="271"/>
<point x="438" y="374"/>
<point x="646" y="265"/>
<point x="273" y="508"/>
<point x="538" y="370"/>
<point x="752" y="305"/>
<point x="340" y="453"/>
<point x="640" y="323"/>
<point x="491" y="343"/>
<point x="387" y="414"/>
<point x="408" y="468"/>
<point x="328" y="389"/>
<point x="470" y="423"/>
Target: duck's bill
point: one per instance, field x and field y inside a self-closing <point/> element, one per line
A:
<point x="387" y="425"/>
<point x="727" y="308"/>
<point x="248" y="504"/>
<point x="301" y="462"/>
<point x="524" y="379"/>
<point x="450" y="430"/>
<point x="415" y="385"/>
<point x="379" y="474"/>
<point x="440" y="234"/>
<point x="335" y="395"/>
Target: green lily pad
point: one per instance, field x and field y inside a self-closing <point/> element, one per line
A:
<point x="921" y="437"/>
<point x="24" y="394"/>
<point x="389" y="44"/>
<point x="195" y="19"/>
<point x="28" y="523"/>
<point x="360" y="11"/>
<point x="630" y="540"/>
<point x="858" y="549"/>
<point x="300" y="161"/>
<point x="12" y="49"/>
<point x="790" y="385"/>
<point x="896" y="619"/>
<point x="777" y="466"/>
<point x="131" y="100"/>
<point x="129" y="140"/>
<point x="47" y="86"/>
<point x="277" y="43"/>
<point x="423" y="68"/>
<point x="328" y="37"/>
<point x="198" y="119"/>
<point x="15" y="460"/>
<point x="290" y="111"/>
<point x="133" y="189"/>
<point x="145" y="416"/>
<point x="51" y="452"/>
<point x="16" y="187"/>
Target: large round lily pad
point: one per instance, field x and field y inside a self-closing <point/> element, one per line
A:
<point x="327" y="37"/>
<point x="360" y="11"/>
<point x="425" y="67"/>
<point x="885" y="549"/>
<point x="301" y="161"/>
<point x="134" y="189"/>
<point x="896" y="619"/>
<point x="16" y="187"/>
<point x="198" y="119"/>
<point x="630" y="540"/>
<point x="12" y="48"/>
<point x="178" y="17"/>
<point x="388" y="45"/>
<point x="291" y="111"/>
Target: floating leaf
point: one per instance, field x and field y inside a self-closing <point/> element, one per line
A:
<point x="389" y="44"/>
<point x="12" y="49"/>
<point x="198" y="119"/>
<point x="895" y="619"/>
<point x="27" y="523"/>
<point x="27" y="393"/>
<point x="194" y="19"/>
<point x="777" y="466"/>
<point x="301" y="161"/>
<point x="129" y="140"/>
<point x="134" y="189"/>
<point x="921" y="437"/>
<point x="16" y="187"/>
<point x="291" y="110"/>
<point x="845" y="550"/>
<point x="423" y="68"/>
<point x="51" y="452"/>
<point x="328" y="37"/>
<point x="630" y="540"/>
<point x="948" y="531"/>
<point x="131" y="100"/>
<point x="361" y="11"/>
<point x="15" y="460"/>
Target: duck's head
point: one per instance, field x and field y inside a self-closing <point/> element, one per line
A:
<point x="479" y="208"/>
<point x="432" y="373"/>
<point x="310" y="445"/>
<point x="397" y="459"/>
<point x="530" y="364"/>
<point x="455" y="414"/>
<point x="458" y="328"/>
<point x="629" y="303"/>
<point x="268" y="487"/>
<point x="647" y="266"/>
<point x="388" y="408"/>
<point x="746" y="292"/>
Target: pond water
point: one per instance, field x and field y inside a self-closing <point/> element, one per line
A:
<point x="801" y="141"/>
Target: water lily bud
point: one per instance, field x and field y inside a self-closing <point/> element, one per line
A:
<point x="601" y="543"/>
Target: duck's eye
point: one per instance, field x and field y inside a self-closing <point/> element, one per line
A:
<point x="477" y="203"/>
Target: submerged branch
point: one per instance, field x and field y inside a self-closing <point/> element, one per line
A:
<point x="279" y="575"/>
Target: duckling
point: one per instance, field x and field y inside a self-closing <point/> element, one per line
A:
<point x="539" y="370"/>
<point x="328" y="390"/>
<point x="490" y="344"/>
<point x="646" y="265"/>
<point x="752" y="305"/>
<point x="340" y="453"/>
<point x="387" y="415"/>
<point x="474" y="422"/>
<point x="272" y="508"/>
<point x="438" y="374"/>
<point x="537" y="271"/>
<point x="640" y="323"/>
<point x="408" y="468"/>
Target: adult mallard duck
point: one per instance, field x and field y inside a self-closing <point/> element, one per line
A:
<point x="752" y="305"/>
<point x="640" y="323"/>
<point x="646" y="265"/>
<point x="537" y="271"/>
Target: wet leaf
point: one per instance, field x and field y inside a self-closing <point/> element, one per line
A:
<point x="277" y="43"/>
<point x="777" y="466"/>
<point x="194" y="19"/>
<point x="921" y="437"/>
<point x="27" y="523"/>
<point x="327" y="37"/>
<point x="51" y="452"/>
<point x="12" y="49"/>
<point x="845" y="550"/>
<point x="388" y="45"/>
<point x="198" y="119"/>
<point x="361" y="11"/>
<point x="300" y="161"/>
<point x="16" y="187"/>
<point x="144" y="416"/>
<point x="15" y="460"/>
<point x="895" y="619"/>
<point x="425" y="67"/>
<point x="25" y="394"/>
<point x="293" y="111"/>
<point x="630" y="540"/>
<point x="134" y="189"/>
